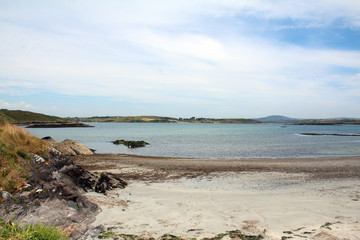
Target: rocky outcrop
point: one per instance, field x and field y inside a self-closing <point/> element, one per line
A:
<point x="53" y="195"/>
<point x="131" y="144"/>
<point x="83" y="178"/>
<point x="108" y="181"/>
<point x="68" y="147"/>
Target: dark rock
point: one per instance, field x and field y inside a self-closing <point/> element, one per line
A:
<point x="50" y="140"/>
<point x="108" y="181"/>
<point x="58" y="125"/>
<point x="53" y="196"/>
<point x="131" y="144"/>
<point x="332" y="134"/>
<point x="117" y="142"/>
<point x="81" y="177"/>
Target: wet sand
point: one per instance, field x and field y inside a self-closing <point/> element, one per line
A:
<point x="165" y="167"/>
<point x="307" y="198"/>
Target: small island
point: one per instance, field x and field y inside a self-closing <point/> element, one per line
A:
<point x="332" y="134"/>
<point x="57" y="125"/>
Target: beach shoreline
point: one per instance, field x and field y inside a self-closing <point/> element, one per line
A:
<point x="332" y="167"/>
<point x="307" y="198"/>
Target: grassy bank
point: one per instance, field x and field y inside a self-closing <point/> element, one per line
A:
<point x="16" y="145"/>
<point x="14" y="231"/>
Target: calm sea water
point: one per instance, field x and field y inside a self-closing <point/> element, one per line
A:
<point x="218" y="140"/>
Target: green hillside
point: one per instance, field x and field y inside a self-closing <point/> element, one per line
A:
<point x="127" y="119"/>
<point x="18" y="116"/>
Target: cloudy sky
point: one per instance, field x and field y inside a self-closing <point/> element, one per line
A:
<point x="203" y="58"/>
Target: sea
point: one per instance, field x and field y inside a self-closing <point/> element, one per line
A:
<point x="214" y="140"/>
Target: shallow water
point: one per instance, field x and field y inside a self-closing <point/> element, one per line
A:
<point x="201" y="140"/>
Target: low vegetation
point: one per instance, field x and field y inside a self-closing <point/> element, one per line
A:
<point x="154" y="119"/>
<point x="13" y="231"/>
<point x="16" y="145"/>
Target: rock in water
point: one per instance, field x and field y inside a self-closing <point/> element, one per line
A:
<point x="131" y="144"/>
<point x="108" y="181"/>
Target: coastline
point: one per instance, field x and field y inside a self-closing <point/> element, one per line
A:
<point x="307" y="198"/>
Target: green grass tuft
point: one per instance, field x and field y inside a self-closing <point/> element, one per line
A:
<point x="13" y="231"/>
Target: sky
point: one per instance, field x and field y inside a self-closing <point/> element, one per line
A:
<point x="181" y="58"/>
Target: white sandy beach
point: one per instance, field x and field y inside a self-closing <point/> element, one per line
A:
<point x="273" y="204"/>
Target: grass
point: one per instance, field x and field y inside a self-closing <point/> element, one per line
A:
<point x="13" y="231"/>
<point x="15" y="146"/>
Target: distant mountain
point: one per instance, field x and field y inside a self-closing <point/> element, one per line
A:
<point x="18" y="116"/>
<point x="276" y="118"/>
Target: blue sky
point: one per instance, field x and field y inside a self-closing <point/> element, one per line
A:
<point x="203" y="58"/>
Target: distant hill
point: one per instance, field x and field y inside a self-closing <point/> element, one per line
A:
<point x="27" y="118"/>
<point x="276" y="118"/>
<point x="18" y="116"/>
<point x="298" y="121"/>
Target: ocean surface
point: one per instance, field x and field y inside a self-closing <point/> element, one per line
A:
<point x="206" y="140"/>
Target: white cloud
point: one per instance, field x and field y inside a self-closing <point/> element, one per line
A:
<point x="181" y="63"/>
<point x="312" y="13"/>
<point x="18" y="105"/>
<point x="170" y="51"/>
